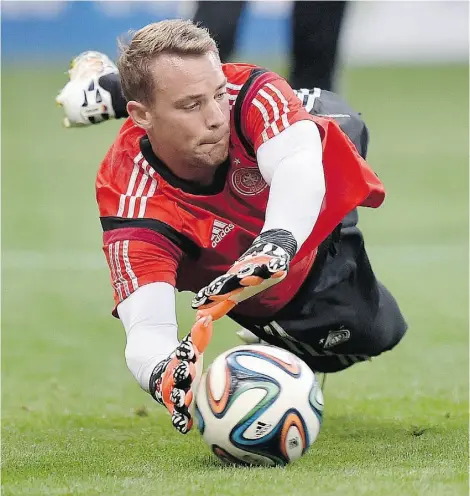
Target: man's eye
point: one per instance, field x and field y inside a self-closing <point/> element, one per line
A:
<point x="193" y="106"/>
<point x="220" y="95"/>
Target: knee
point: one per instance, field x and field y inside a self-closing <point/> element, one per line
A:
<point x="387" y="335"/>
<point x="389" y="325"/>
<point x="398" y="332"/>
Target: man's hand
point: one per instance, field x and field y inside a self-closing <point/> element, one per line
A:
<point x="260" y="267"/>
<point x="93" y="93"/>
<point x="174" y="381"/>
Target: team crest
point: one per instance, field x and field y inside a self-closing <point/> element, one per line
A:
<point x="248" y="181"/>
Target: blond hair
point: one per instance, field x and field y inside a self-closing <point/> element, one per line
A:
<point x="175" y="36"/>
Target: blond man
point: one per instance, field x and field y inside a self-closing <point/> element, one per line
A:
<point x="225" y="182"/>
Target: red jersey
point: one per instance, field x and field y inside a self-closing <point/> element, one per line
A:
<point x="158" y="227"/>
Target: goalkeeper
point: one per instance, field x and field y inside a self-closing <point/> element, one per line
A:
<point x="225" y="182"/>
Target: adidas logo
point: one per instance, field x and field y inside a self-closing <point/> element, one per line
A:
<point x="262" y="428"/>
<point x="219" y="231"/>
<point x="335" y="337"/>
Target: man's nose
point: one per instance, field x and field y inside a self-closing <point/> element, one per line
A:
<point x="214" y="116"/>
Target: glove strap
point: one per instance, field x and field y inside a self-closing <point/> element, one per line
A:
<point x="155" y="380"/>
<point x="279" y="237"/>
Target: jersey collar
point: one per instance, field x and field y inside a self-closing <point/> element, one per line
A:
<point x="191" y="187"/>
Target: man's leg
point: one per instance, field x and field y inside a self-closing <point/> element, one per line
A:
<point x="221" y="19"/>
<point x="342" y="315"/>
<point x="316" y="29"/>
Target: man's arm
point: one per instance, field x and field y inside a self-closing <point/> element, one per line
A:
<point x="291" y="163"/>
<point x="288" y="149"/>
<point x="143" y="274"/>
<point x="149" y="319"/>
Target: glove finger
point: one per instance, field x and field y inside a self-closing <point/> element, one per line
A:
<point x="252" y="275"/>
<point x="199" y="299"/>
<point x="251" y="281"/>
<point x="182" y="375"/>
<point x="221" y="286"/>
<point x="182" y="422"/>
<point x="201" y="334"/>
<point x="168" y="382"/>
<point x="166" y="390"/>
<point x="186" y="350"/>
<point x="188" y="399"/>
<point x="176" y="386"/>
<point x="215" y="311"/>
<point x="224" y="296"/>
<point x="249" y="263"/>
<point x="181" y="398"/>
<point x="62" y="96"/>
<point x="258" y="274"/>
<point x="177" y="397"/>
<point x="278" y="264"/>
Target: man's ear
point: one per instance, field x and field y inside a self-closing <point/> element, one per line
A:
<point x="139" y="114"/>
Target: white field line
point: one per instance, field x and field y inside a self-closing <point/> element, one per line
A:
<point x="412" y="254"/>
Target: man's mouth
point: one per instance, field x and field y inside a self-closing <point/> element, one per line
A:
<point x="213" y="141"/>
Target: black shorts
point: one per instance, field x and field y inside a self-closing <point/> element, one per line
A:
<point x="341" y="314"/>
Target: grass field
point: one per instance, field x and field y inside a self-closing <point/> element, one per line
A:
<point x="75" y="422"/>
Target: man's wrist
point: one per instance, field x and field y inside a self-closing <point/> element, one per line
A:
<point x="112" y="83"/>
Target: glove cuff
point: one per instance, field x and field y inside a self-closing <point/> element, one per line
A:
<point x="155" y="385"/>
<point x="112" y="83"/>
<point x="281" y="238"/>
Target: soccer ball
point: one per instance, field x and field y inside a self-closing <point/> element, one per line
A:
<point x="259" y="405"/>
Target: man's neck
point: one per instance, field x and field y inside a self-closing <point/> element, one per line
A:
<point x="185" y="170"/>
<point x="194" y="174"/>
<point x="189" y="178"/>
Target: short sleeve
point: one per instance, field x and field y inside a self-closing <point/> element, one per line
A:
<point x="137" y="257"/>
<point x="270" y="106"/>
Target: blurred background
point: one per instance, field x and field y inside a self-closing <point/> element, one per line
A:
<point x="375" y="33"/>
<point x="403" y="65"/>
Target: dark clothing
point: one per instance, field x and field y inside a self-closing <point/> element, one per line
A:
<point x="341" y="315"/>
<point x="316" y="29"/>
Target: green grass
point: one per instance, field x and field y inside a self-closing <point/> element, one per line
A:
<point x="75" y="421"/>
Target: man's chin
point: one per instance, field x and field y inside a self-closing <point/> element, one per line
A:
<point x="213" y="159"/>
<point x="211" y="164"/>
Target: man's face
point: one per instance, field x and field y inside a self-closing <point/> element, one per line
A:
<point x="190" y="111"/>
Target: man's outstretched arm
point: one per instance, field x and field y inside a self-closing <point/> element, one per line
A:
<point x="167" y="369"/>
<point x="143" y="274"/>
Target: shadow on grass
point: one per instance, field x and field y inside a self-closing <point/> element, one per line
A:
<point x="349" y="441"/>
<point x="134" y="446"/>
